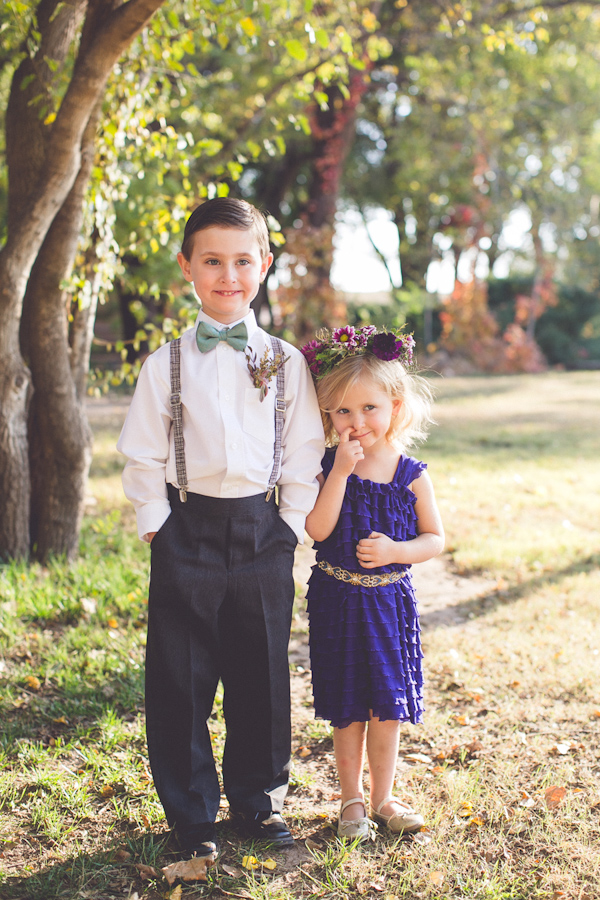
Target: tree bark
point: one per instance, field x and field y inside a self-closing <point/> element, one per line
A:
<point x="44" y="159"/>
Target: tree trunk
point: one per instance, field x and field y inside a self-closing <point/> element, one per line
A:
<point x="44" y="158"/>
<point x="60" y="439"/>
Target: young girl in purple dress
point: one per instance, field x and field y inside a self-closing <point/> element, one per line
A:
<point x="376" y="515"/>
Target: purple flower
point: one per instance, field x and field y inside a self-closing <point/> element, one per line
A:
<point x="310" y="351"/>
<point x="363" y="334"/>
<point x="386" y="346"/>
<point x="345" y="335"/>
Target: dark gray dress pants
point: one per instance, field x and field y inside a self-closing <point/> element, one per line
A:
<point x="220" y="606"/>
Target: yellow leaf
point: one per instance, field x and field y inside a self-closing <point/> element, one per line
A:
<point x="466" y="809"/>
<point x="436" y="878"/>
<point x="107" y="791"/>
<point x="248" y="26"/>
<point x="269" y="864"/>
<point x="33" y="683"/>
<point x="250" y="862"/>
<point x="112" y="623"/>
<point x="61" y="721"/>
<point x="303" y="752"/>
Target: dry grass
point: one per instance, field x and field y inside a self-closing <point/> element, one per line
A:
<point x="505" y="768"/>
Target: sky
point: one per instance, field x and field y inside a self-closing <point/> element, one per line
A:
<point x="357" y="268"/>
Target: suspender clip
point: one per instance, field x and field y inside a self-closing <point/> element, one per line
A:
<point x="183" y="494"/>
<point x="269" y="495"/>
<point x="280" y="405"/>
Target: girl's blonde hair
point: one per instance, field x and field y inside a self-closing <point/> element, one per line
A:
<point x="409" y="427"/>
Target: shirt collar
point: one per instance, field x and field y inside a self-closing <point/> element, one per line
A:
<point x="249" y="319"/>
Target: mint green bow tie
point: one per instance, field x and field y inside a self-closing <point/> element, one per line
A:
<point x="208" y="337"/>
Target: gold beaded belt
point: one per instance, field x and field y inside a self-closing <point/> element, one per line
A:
<point x="357" y="578"/>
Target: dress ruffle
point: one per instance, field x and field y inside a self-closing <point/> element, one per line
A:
<point x="365" y="642"/>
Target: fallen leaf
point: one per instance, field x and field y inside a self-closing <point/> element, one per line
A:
<point x="303" y="752"/>
<point x="418" y="757"/>
<point x="88" y="605"/>
<point x="422" y="838"/>
<point x="465" y="810"/>
<point x="561" y="748"/>
<point x="175" y="894"/>
<point x="33" y="683"/>
<point x="461" y="720"/>
<point x="437" y="878"/>
<point x="269" y="864"/>
<point x="147" y="872"/>
<point x="250" y="862"/>
<point x="112" y="622"/>
<point x="312" y="845"/>
<point x="122" y="855"/>
<point x="60" y="721"/>
<point x="232" y="871"/>
<point x="107" y="791"/>
<point x="554" y="796"/>
<point x="378" y="884"/>
<point x="188" y="869"/>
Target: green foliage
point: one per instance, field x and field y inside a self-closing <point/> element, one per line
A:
<point x="567" y="332"/>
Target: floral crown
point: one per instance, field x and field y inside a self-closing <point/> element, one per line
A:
<point x="331" y="347"/>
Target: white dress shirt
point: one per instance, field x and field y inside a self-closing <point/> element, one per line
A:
<point x="229" y="433"/>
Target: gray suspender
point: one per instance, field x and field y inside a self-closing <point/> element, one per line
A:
<point x="279" y="417"/>
<point x="176" y="416"/>
<point x="175" y="358"/>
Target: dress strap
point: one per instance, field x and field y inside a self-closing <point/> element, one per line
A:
<point x="279" y="417"/>
<point x="175" y="361"/>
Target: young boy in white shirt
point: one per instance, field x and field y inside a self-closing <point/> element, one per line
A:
<point x="210" y="430"/>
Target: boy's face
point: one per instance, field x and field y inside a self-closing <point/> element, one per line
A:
<point x="226" y="269"/>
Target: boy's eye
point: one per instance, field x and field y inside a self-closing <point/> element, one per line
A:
<point x="369" y="407"/>
<point x="212" y="262"/>
<point x="244" y="262"/>
<point x="342" y="412"/>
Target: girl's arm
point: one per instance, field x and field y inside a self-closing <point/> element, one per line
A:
<point x="380" y="550"/>
<point x="323" y="519"/>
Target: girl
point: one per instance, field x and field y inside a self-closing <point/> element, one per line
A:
<point x="376" y="515"/>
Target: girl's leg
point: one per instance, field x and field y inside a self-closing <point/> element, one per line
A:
<point x="382" y="753"/>
<point x="349" y="748"/>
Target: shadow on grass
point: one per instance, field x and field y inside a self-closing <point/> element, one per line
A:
<point x="101" y="875"/>
<point x="458" y="613"/>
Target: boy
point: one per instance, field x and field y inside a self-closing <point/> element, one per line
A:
<point x="221" y="586"/>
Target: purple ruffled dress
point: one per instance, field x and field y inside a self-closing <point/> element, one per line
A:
<point x="365" y="646"/>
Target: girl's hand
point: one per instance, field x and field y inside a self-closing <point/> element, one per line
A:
<point x="348" y="453"/>
<point x="377" y="550"/>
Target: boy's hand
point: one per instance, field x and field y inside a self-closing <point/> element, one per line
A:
<point x="151" y="535"/>
<point x="377" y="550"/>
<point x="347" y="454"/>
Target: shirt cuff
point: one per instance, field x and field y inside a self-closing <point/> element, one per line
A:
<point x="151" y="517"/>
<point x="296" y="522"/>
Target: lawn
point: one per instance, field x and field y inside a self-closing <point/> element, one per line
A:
<point x="505" y="768"/>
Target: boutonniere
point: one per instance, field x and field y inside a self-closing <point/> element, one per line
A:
<point x="262" y="372"/>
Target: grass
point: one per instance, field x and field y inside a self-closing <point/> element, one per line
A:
<point x="505" y="768"/>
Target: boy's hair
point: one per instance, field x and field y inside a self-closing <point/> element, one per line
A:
<point x="226" y="212"/>
<point x="410" y="426"/>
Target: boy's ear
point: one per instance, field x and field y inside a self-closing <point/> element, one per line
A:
<point x="184" y="265"/>
<point x="396" y="406"/>
<point x="265" y="266"/>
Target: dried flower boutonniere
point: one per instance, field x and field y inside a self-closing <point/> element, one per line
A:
<point x="262" y="372"/>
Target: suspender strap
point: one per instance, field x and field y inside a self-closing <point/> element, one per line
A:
<point x="175" y="360"/>
<point x="279" y="417"/>
<point x="176" y="414"/>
